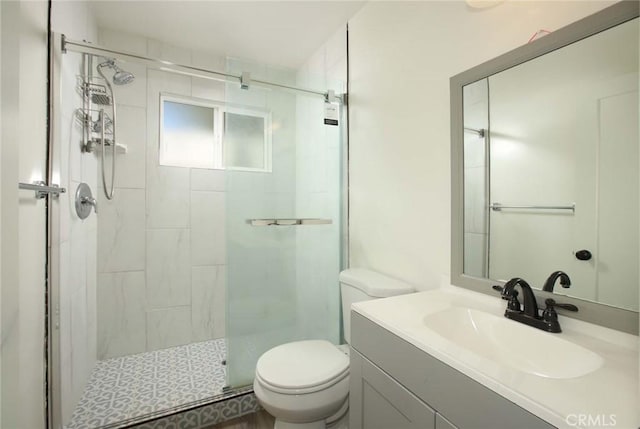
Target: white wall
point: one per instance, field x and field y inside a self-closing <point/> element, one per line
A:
<point x="9" y="221"/>
<point x="401" y="58"/>
<point x="23" y="218"/>
<point x="618" y="272"/>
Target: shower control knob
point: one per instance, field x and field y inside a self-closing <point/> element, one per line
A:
<point x="85" y="201"/>
<point x="583" y="255"/>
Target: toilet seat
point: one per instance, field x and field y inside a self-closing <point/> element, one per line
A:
<point x="298" y="391"/>
<point x="302" y="367"/>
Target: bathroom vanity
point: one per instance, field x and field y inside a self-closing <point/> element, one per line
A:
<point x="399" y="386"/>
<point x="415" y="364"/>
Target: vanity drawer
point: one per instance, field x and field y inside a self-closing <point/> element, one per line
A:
<point x="377" y="401"/>
<point x="464" y="402"/>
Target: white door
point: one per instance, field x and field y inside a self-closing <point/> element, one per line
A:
<point x="616" y="254"/>
<point x="22" y="217"/>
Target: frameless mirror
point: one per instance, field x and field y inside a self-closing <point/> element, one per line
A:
<point x="546" y="164"/>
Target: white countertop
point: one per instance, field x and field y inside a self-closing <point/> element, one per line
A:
<point x="606" y="396"/>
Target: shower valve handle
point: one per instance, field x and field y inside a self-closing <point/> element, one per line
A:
<point x="84" y="201"/>
<point x="90" y="201"/>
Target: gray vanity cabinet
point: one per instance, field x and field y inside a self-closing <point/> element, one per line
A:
<point x="396" y="385"/>
<point x="442" y="423"/>
<point x="382" y="402"/>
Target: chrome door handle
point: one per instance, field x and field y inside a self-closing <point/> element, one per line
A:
<point x="42" y="190"/>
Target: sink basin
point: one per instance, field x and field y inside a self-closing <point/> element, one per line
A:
<point x="513" y="344"/>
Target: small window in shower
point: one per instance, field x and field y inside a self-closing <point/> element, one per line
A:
<point x="196" y="133"/>
<point x="188" y="133"/>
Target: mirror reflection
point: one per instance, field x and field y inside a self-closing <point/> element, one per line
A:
<point x="551" y="176"/>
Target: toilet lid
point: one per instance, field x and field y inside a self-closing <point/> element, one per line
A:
<point x="302" y="364"/>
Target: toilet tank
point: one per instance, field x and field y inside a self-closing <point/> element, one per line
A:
<point x="358" y="284"/>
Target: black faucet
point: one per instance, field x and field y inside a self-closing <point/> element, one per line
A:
<point x="565" y="281"/>
<point x="530" y="303"/>
<point x="550" y="317"/>
<point x="529" y="314"/>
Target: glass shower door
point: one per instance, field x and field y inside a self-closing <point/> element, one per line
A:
<point x="282" y="273"/>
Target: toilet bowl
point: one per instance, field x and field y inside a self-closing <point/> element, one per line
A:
<point x="305" y="384"/>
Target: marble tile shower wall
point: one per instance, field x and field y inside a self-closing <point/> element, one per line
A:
<point x="77" y="238"/>
<point x="161" y="242"/>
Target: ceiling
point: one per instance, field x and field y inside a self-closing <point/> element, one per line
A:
<point x="283" y="33"/>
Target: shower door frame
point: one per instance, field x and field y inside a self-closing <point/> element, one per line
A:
<point x="52" y="340"/>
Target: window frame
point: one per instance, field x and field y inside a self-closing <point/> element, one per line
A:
<point x="219" y="108"/>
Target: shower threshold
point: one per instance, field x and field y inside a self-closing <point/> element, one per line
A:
<point x="129" y="388"/>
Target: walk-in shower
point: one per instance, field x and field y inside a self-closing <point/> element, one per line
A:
<point x="221" y="236"/>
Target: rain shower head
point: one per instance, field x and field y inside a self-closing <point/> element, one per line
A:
<point x="120" y="77"/>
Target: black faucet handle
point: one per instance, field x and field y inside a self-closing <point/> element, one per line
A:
<point x="551" y="303"/>
<point x="512" y="297"/>
<point x="500" y="289"/>
<point x="550" y="316"/>
<point x="513" y="304"/>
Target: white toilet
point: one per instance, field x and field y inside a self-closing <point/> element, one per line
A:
<point x="305" y="384"/>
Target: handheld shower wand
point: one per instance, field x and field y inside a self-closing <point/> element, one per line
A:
<point x="120" y="77"/>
